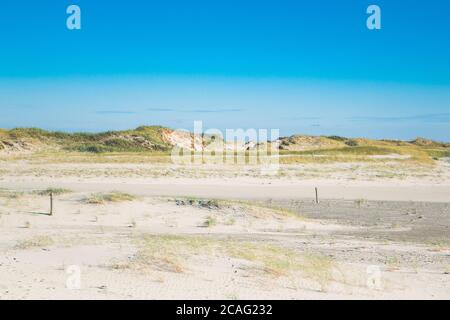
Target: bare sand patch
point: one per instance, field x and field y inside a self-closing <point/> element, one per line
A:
<point x="158" y="247"/>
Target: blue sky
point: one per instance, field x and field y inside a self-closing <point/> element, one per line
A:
<point x="301" y="66"/>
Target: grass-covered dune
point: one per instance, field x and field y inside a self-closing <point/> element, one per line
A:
<point x="340" y="148"/>
<point x="159" y="140"/>
<point x="145" y="138"/>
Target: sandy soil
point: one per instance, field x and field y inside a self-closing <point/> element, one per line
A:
<point x="165" y="248"/>
<point x="380" y="181"/>
<point x="379" y="231"/>
<point x="420" y="222"/>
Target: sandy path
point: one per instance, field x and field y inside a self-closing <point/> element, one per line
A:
<point x="248" y="189"/>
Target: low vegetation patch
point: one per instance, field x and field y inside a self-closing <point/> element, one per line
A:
<point x="230" y="221"/>
<point x="360" y="202"/>
<point x="441" y="246"/>
<point x="364" y="150"/>
<point x="10" y="194"/>
<point x="266" y="210"/>
<point x="35" y="242"/>
<point x="255" y="209"/>
<point x="54" y="191"/>
<point x="115" y="196"/>
<point x="438" y="153"/>
<point x="279" y="261"/>
<point x="210" y="221"/>
<point x="171" y="253"/>
<point x="201" y="203"/>
<point x="166" y="252"/>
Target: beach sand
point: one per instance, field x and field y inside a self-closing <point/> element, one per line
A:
<point x="220" y="233"/>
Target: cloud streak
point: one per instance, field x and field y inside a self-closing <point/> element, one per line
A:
<point x="118" y="112"/>
<point x="212" y="110"/>
<point x="428" y="118"/>
<point x="113" y="112"/>
<point x="160" y="109"/>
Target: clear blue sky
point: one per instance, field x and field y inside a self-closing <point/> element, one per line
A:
<point x="301" y="66"/>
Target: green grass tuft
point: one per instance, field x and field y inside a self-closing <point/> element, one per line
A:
<point x="54" y="191"/>
<point x="210" y="222"/>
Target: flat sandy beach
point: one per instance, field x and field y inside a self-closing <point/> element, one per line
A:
<point x="154" y="231"/>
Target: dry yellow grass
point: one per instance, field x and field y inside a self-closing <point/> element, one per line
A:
<point x="440" y="246"/>
<point x="262" y="210"/>
<point x="115" y="196"/>
<point x="171" y="253"/>
<point x="35" y="242"/>
<point x="164" y="252"/>
<point x="392" y="264"/>
<point x="11" y="194"/>
<point x="54" y="191"/>
<point x="279" y="261"/>
<point x="58" y="156"/>
<point x="364" y="152"/>
<point x="210" y="221"/>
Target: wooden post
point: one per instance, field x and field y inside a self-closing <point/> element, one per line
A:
<point x="51" y="203"/>
<point x="317" y="196"/>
